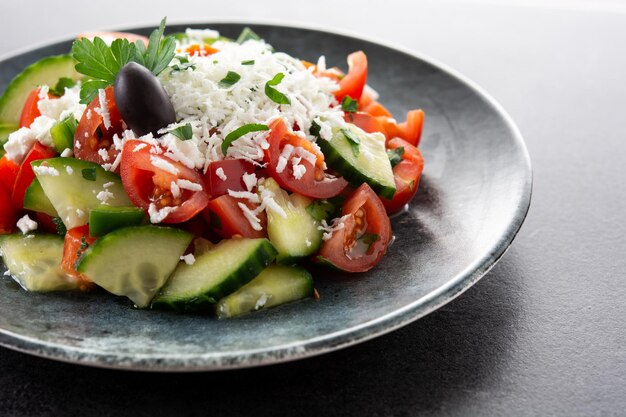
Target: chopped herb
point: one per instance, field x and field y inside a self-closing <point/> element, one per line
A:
<point x="239" y="132"/>
<point x="83" y="243"/>
<point x="183" y="132"/>
<point x="250" y="62"/>
<point x="102" y="63"/>
<point x="62" y="84"/>
<point x="216" y="61"/>
<point x="89" y="174"/>
<point x="395" y="156"/>
<point x="349" y="105"/>
<point x="315" y="129"/>
<point x="229" y="80"/>
<point x="352" y="139"/>
<point x="184" y="64"/>
<point x="369" y="239"/>
<point x="246" y="35"/>
<point x="61" y="229"/>
<point x="321" y="209"/>
<point x="273" y="94"/>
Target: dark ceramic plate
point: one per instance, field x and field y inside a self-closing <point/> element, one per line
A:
<point x="471" y="203"/>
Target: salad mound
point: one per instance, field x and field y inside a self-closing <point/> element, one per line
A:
<point x="196" y="172"/>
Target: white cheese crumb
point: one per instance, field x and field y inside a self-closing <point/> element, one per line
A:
<point x="251" y="216"/>
<point x="105" y="196"/>
<point x="189" y="259"/>
<point x="335" y="224"/>
<point x="157" y="216"/>
<point x="260" y="303"/>
<point x="188" y="185"/>
<point x="140" y="147"/>
<point x="104" y="109"/>
<point x="175" y="189"/>
<point x="249" y="180"/>
<point x="79" y="212"/>
<point x="67" y="152"/>
<point x="88" y="114"/>
<point x="104" y="154"/>
<point x="26" y="224"/>
<point x="251" y="197"/>
<point x="308" y="243"/>
<point x="221" y="174"/>
<point x="78" y="145"/>
<point x="108" y="184"/>
<point x="69" y="170"/>
<point x="45" y="170"/>
<point x="298" y="169"/>
<point x="164" y="165"/>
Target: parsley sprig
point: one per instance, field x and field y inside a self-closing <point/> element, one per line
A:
<point x="102" y="62"/>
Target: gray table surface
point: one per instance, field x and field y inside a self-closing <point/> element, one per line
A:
<point x="543" y="333"/>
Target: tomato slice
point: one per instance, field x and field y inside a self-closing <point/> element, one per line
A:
<point x="91" y="135"/>
<point x="8" y="172"/>
<point x="7" y="212"/>
<point x="406" y="173"/>
<point x="313" y="183"/>
<point x="352" y="84"/>
<point x="362" y="242"/>
<point x="410" y="130"/>
<point x="76" y="242"/>
<point x="365" y="121"/>
<point x="230" y="178"/>
<point x="109" y="37"/>
<point x="25" y="176"/>
<point x="147" y="179"/>
<point x="376" y="109"/>
<point x="30" y="111"/>
<point x="227" y="220"/>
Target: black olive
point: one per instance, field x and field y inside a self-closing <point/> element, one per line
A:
<point x="142" y="100"/>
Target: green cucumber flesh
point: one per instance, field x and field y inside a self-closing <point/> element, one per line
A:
<point x="366" y="161"/>
<point x="221" y="271"/>
<point x="296" y="235"/>
<point x="276" y="285"/>
<point x="105" y="219"/>
<point x="34" y="261"/>
<point x="5" y="131"/>
<point x="62" y="133"/>
<point x="36" y="199"/>
<point x="73" y="195"/>
<point x="134" y="261"/>
<point x="46" y="71"/>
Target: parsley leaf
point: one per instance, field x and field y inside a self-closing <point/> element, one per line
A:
<point x="229" y="80"/>
<point x="353" y="140"/>
<point x="321" y="209"/>
<point x="183" y="132"/>
<point x="349" y="105"/>
<point x="247" y="34"/>
<point x="160" y="51"/>
<point x="273" y="94"/>
<point x="89" y="174"/>
<point x="239" y="132"/>
<point x="395" y="156"/>
<point x="249" y="62"/>
<point x="315" y="129"/>
<point x="62" y="84"/>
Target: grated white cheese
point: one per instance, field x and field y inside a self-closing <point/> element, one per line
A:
<point x="247" y="195"/>
<point x="260" y="303"/>
<point x="221" y="174"/>
<point x="103" y="110"/>
<point x="163" y="164"/>
<point x="251" y="216"/>
<point x="249" y="180"/>
<point x="175" y="189"/>
<point x="335" y="224"/>
<point x="157" y="216"/>
<point x="69" y="170"/>
<point x="46" y="170"/>
<point x="188" y="185"/>
<point x="79" y="212"/>
<point x="189" y="259"/>
<point x="140" y="147"/>
<point x="105" y="196"/>
<point x="108" y="184"/>
<point x="104" y="154"/>
<point x="67" y="152"/>
<point x="26" y="224"/>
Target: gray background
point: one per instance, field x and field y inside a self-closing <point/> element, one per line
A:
<point x="544" y="333"/>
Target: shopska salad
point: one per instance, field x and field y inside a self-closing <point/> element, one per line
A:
<point x="196" y="172"/>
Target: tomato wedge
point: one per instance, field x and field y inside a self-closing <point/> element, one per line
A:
<point x="410" y="130"/>
<point x="365" y="236"/>
<point x="230" y="176"/>
<point x="76" y="242"/>
<point x="30" y="111"/>
<point x="147" y="178"/>
<point x="109" y="37"/>
<point x="353" y="82"/>
<point x="365" y="121"/>
<point x="92" y="135"/>
<point x="406" y="174"/>
<point x="25" y="176"/>
<point x="225" y="217"/>
<point x="8" y="172"/>
<point x="313" y="183"/>
<point x="7" y="212"/>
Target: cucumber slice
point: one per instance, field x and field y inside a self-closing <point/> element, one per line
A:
<point x="365" y="161"/>
<point x="62" y="133"/>
<point x="35" y="199"/>
<point x="5" y="131"/>
<point x="134" y="261"/>
<point x="105" y="219"/>
<point x="73" y="195"/>
<point x="276" y="285"/>
<point x="34" y="261"/>
<point x="45" y="71"/>
<point x="222" y="270"/>
<point x="296" y="235"/>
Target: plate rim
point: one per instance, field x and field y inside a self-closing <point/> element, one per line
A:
<point x="329" y="342"/>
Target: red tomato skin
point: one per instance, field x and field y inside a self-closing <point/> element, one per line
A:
<point x="86" y="142"/>
<point x="26" y="175"/>
<point x="139" y="176"/>
<point x="45" y="223"/>
<point x="307" y="185"/>
<point x="409" y="130"/>
<point x="8" y="172"/>
<point x="76" y="241"/>
<point x="337" y="250"/>
<point x="406" y="173"/>
<point x="352" y="84"/>
<point x="234" y="169"/>
<point x="7" y="212"/>
<point x="30" y="111"/>
<point x="232" y="222"/>
<point x="132" y="37"/>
